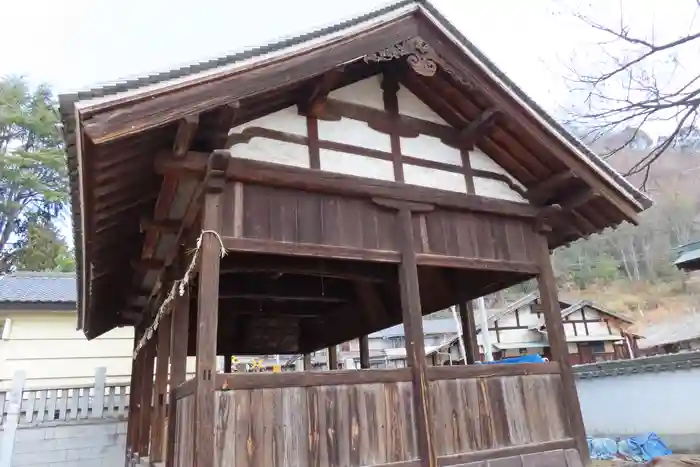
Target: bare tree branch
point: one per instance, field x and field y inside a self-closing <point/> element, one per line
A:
<point x="641" y="81"/>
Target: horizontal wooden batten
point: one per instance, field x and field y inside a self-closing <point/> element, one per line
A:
<point x="425" y="259"/>
<point x="436" y="373"/>
<point x="307" y="379"/>
<point x="328" y="182"/>
<point x="185" y="389"/>
<point x="458" y="460"/>
<point x="250" y="245"/>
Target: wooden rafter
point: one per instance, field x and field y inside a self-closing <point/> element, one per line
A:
<point x="477" y="129"/>
<point x="544" y="190"/>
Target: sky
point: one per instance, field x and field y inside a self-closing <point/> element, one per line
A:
<point x="78" y="43"/>
<point x="73" y="44"/>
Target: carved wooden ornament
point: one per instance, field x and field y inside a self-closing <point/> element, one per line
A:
<point x="420" y="55"/>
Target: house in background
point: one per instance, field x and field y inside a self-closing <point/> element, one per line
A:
<point x="592" y="332"/>
<point x="672" y="336"/>
<point x="38" y="316"/>
<point x="37" y="311"/>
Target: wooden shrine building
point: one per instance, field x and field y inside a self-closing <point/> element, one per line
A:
<point x="355" y="177"/>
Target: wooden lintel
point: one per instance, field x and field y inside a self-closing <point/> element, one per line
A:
<point x="147" y="264"/>
<point x="477" y="129"/>
<point x="313" y="104"/>
<point x="539" y="193"/>
<point x="308" y="267"/>
<point x="186" y="130"/>
<point x="245" y="170"/>
<point x="283" y="298"/>
<point x="171" y="226"/>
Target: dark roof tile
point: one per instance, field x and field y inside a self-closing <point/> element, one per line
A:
<point x="38" y="287"/>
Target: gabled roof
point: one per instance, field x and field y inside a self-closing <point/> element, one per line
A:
<point x="37" y="288"/>
<point x="430" y="327"/>
<point x="123" y="125"/>
<point x="681" y="329"/>
<point x="688" y="256"/>
<point x="587" y="303"/>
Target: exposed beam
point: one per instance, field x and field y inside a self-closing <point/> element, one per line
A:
<point x="477" y="129"/>
<point x="292" y="177"/>
<point x="314" y="102"/>
<point x="235" y="263"/>
<point x="225" y="120"/>
<point x="166" y="226"/>
<point x="539" y="193"/>
<point x="187" y="127"/>
<point x="577" y="199"/>
<point x="284" y="298"/>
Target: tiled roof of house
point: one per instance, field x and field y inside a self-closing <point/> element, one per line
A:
<point x="430" y="326"/>
<point x="38" y="287"/>
<point x="684" y="328"/>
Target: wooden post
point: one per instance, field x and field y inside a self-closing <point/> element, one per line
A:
<point x="333" y="357"/>
<point x="14" y="406"/>
<point x="132" y="427"/>
<point x="307" y="362"/>
<point x="466" y="314"/>
<point x="161" y="387"/>
<point x="98" y="402"/>
<point x="364" y="352"/>
<point x="227" y="363"/>
<point x="207" y="323"/>
<point x="146" y="399"/>
<point x="179" y="334"/>
<point x="413" y="330"/>
<point x="559" y="348"/>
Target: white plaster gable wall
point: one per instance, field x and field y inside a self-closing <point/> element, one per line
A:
<point x="368" y="93"/>
<point x="269" y="150"/>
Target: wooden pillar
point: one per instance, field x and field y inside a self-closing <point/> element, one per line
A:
<point x="179" y="336"/>
<point x="146" y="399"/>
<point x="364" y="352"/>
<point x="559" y="348"/>
<point x="228" y="363"/>
<point x="132" y="424"/>
<point x="307" y="362"/>
<point x="333" y="357"/>
<point x="207" y="323"/>
<point x="161" y="388"/>
<point x="413" y="330"/>
<point x="466" y="314"/>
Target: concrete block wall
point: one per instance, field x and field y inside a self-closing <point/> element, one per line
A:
<point x="71" y="444"/>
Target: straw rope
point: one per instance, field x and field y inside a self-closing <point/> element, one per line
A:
<point x="177" y="290"/>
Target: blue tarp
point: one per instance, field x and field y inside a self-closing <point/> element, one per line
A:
<point x="522" y="359"/>
<point x="640" y="449"/>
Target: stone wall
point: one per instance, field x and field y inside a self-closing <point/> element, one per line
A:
<point x="653" y="394"/>
<point x="99" y="443"/>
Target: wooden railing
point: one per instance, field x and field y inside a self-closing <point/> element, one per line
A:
<point x="98" y="400"/>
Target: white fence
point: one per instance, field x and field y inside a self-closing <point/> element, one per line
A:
<point x="52" y="406"/>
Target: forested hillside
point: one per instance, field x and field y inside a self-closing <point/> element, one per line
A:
<point x="631" y="268"/>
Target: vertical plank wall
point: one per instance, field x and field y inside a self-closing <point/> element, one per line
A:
<point x="492" y="413"/>
<point x="350" y="425"/>
<point x="184" y="431"/>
